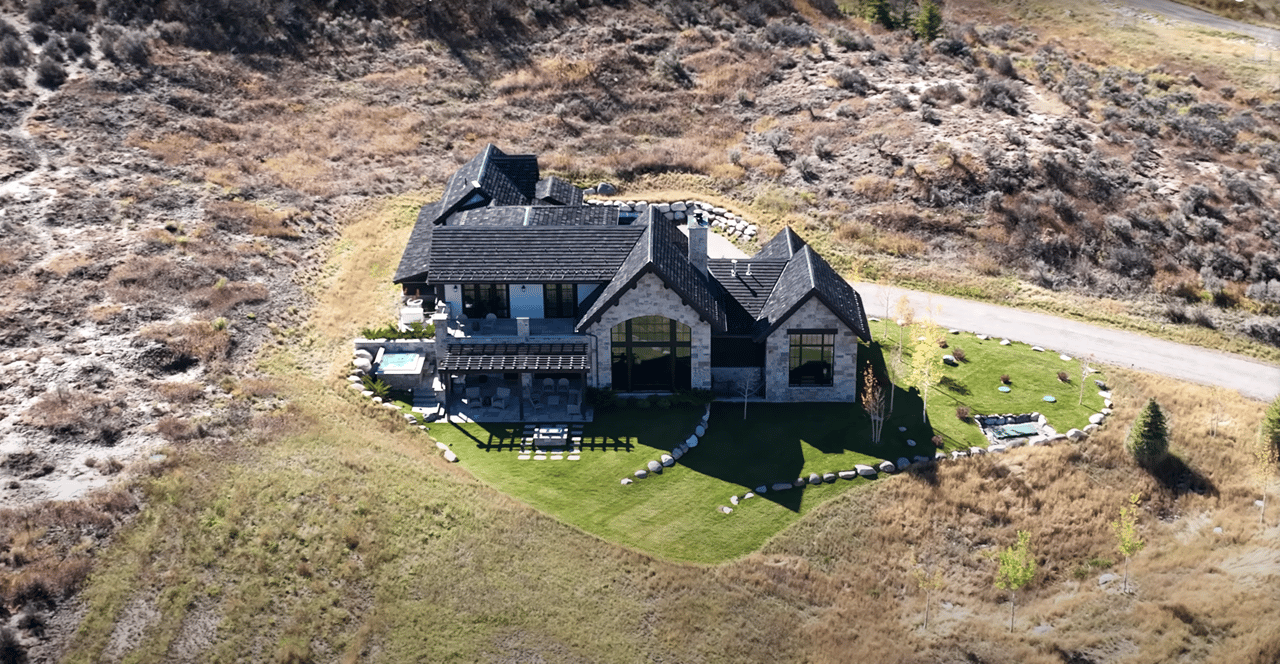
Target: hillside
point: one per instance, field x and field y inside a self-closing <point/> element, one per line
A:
<point x="202" y="201"/>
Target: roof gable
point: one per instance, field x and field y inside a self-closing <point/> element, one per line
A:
<point x="782" y="246"/>
<point x="808" y="275"/>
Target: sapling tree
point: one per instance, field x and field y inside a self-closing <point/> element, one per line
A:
<point x="873" y="403"/>
<point x="1127" y="540"/>
<point x="747" y="387"/>
<point x="1017" y="566"/>
<point x="1266" y="453"/>
<point x="923" y="357"/>
<point x="926" y="582"/>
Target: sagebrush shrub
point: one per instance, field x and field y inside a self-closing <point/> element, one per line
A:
<point x="962" y="413"/>
<point x="13" y="53"/>
<point x="958" y="353"/>
<point x="851" y="80"/>
<point x="50" y="74"/>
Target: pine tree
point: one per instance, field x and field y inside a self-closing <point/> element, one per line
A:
<point x="878" y="11"/>
<point x="1149" y="437"/>
<point x="928" y="22"/>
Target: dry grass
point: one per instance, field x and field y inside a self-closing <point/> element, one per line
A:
<point x="179" y="391"/>
<point x="202" y="340"/>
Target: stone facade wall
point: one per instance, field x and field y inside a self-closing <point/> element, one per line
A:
<point x="811" y="315"/>
<point x="651" y="297"/>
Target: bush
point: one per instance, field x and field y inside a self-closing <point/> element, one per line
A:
<point x="942" y="342"/>
<point x="1062" y="376"/>
<point x="852" y="41"/>
<point x="788" y="35"/>
<point x="1148" y="439"/>
<point x="50" y="74"/>
<point x="938" y="442"/>
<point x="851" y="80"/>
<point x="10" y="79"/>
<point x="1004" y="378"/>
<point x="958" y="353"/>
<point x="392" y="331"/>
<point x="13" y="53"/>
<point x="11" y="651"/>
<point x="999" y="94"/>
<point x="962" y="413"/>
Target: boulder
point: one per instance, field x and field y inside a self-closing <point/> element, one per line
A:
<point x="654" y="467"/>
<point x="1091" y="428"/>
<point x="1056" y="438"/>
<point x="362" y="364"/>
<point x="450" y="456"/>
<point x="363" y="354"/>
<point x="726" y="510"/>
<point x="903" y="463"/>
<point x="887" y="467"/>
<point x="815" y="478"/>
<point x="1037" y="349"/>
<point x="762" y="489"/>
<point x="958" y="454"/>
<point x="781" y="486"/>
<point x="829" y="477"/>
<point x="627" y="480"/>
<point x="356" y="386"/>
<point x="1005" y="342"/>
<point x="1106" y="410"/>
<point x="692" y="442"/>
<point x="975" y="451"/>
<point x="865" y="471"/>
<point x="733" y="499"/>
<point x="1097" y="418"/>
<point x="441" y="446"/>
<point x="1076" y="435"/>
<point x="606" y="189"/>
<point x="911" y="443"/>
<point x="748" y="495"/>
<point x="996" y="449"/>
<point x="676" y="453"/>
<point x="668" y="460"/>
<point x="678" y="206"/>
<point x="700" y="431"/>
<point x="848" y="474"/>
<point x="798" y="482"/>
<point x="642" y="474"/>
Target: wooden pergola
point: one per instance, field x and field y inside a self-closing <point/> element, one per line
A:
<point x="522" y="358"/>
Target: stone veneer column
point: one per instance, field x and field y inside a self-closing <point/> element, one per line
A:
<point x="650" y="297"/>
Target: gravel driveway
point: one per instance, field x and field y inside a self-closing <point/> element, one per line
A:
<point x="1251" y="378"/>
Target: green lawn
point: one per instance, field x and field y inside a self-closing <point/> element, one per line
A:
<point x="675" y="514"/>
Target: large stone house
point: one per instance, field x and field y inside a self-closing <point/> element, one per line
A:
<point x="525" y="279"/>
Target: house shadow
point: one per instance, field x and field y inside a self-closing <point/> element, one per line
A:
<point x="1175" y="476"/>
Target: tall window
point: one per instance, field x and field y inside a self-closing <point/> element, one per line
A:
<point x="651" y="353"/>
<point x="812" y="355"/>
<point x="559" y="301"/>
<point x="480" y="300"/>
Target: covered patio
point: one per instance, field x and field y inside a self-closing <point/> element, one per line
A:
<point x="515" y="382"/>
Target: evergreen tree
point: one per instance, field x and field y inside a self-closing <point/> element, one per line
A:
<point x="878" y="11"/>
<point x="928" y="22"/>
<point x="1149" y="437"/>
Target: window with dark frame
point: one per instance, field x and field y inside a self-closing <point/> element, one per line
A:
<point x="651" y="353"/>
<point x="559" y="301"/>
<point x="812" y="357"/>
<point x="480" y="300"/>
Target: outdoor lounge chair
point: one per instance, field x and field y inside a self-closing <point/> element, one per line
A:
<point x="500" y="397"/>
<point x="549" y="384"/>
<point x="574" y="409"/>
<point x="553" y="400"/>
<point x="563" y="385"/>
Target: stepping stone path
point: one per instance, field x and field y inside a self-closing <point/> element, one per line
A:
<point x="781" y="486"/>
<point x="523" y="457"/>
<point x="539" y="457"/>
<point x="573" y="457"/>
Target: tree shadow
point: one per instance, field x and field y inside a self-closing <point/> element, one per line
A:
<point x="949" y="383"/>
<point x="1175" y="476"/>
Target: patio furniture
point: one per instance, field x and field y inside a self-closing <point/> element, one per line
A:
<point x="549" y="384"/>
<point x="553" y="400"/>
<point x="537" y="405"/>
<point x="500" y="397"/>
<point x="574" y="409"/>
<point x="564" y="385"/>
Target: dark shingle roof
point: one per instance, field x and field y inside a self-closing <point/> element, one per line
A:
<point x="537" y="215"/>
<point x="744" y="295"/>
<point x="807" y="275"/>
<point x="664" y="251"/>
<point x="782" y="247"/>
<point x="556" y="191"/>
<point x="417" y="253"/>
<point x="479" y="254"/>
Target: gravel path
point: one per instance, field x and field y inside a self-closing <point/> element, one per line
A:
<point x="1203" y="18"/>
<point x="1251" y="378"/>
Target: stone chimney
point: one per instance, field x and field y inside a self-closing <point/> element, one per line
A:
<point x="698" y="230"/>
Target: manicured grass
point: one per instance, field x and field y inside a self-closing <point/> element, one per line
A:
<point x="974" y="383"/>
<point x="675" y="514"/>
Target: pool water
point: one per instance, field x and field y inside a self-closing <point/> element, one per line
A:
<point x="400" y="363"/>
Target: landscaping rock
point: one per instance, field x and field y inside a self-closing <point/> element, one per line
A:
<point x="1076" y="435"/>
<point x="1107" y="578"/>
<point x="1097" y="418"/>
<point x="954" y="331"/>
<point x="815" y="478"/>
<point x="627" y="480"/>
<point x="363" y="354"/>
<point x="692" y="442"/>
<point x="726" y="510"/>
<point x="798" y="482"/>
<point x="642" y="474"/>
<point x="700" y="431"/>
<point x="829" y="477"/>
<point x="975" y="451"/>
<point x="958" y="454"/>
<point x="1049" y="431"/>
<point x="923" y="459"/>
<point x="865" y="471"/>
<point x="1106" y="410"/>
<point x="676" y="453"/>
<point x="748" y="495"/>
<point x="1090" y="428"/>
<point x="362" y="364"/>
<point x="654" y="467"/>
<point x="1064" y="358"/>
<point x="410" y="417"/>
<point x="606" y="189"/>
<point x="441" y="446"/>
<point x="983" y="337"/>
<point x="377" y="399"/>
<point x="1037" y="349"/>
<point x="996" y="449"/>
<point x="1057" y="437"/>
<point x="1016" y="442"/>
<point x="781" y="486"/>
<point x="762" y="489"/>
<point x="733" y="499"/>
<point x="1106" y="403"/>
<point x="887" y="467"/>
<point x="1005" y="342"/>
<point x="450" y="456"/>
<point x="911" y="443"/>
<point x="356" y="386"/>
<point x="668" y="460"/>
<point x="848" y="474"/>
<point x="902" y="463"/>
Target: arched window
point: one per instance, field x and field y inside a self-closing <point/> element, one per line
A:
<point x="651" y="354"/>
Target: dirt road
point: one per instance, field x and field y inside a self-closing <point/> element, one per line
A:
<point x="1250" y="377"/>
<point x="1203" y="18"/>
